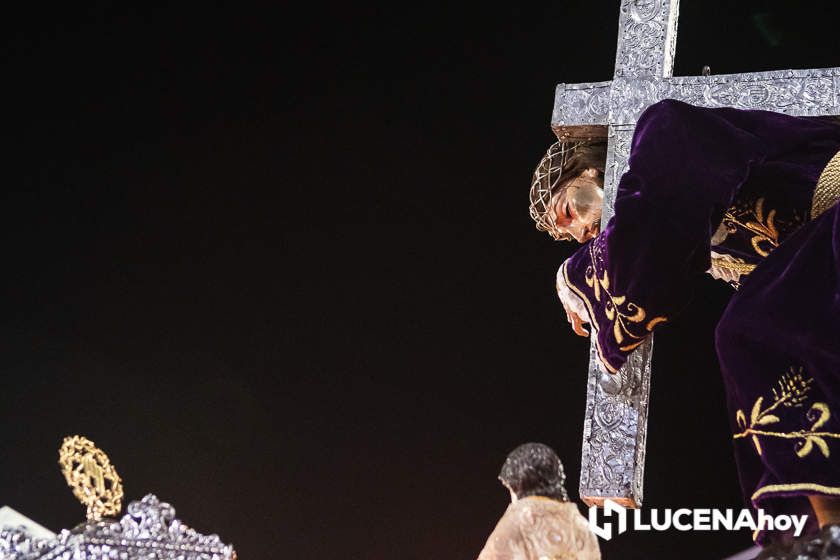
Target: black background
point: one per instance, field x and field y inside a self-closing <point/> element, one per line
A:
<point x="277" y="262"/>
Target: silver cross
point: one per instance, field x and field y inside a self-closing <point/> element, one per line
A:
<point x="615" y="428"/>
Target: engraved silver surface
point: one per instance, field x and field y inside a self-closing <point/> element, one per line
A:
<point x="619" y="139"/>
<point x="802" y="93"/>
<point x="647" y="37"/>
<point x="18" y="544"/>
<point x="149" y="531"/>
<point x="615" y="427"/>
<point x="614" y="435"/>
<point x="581" y="104"/>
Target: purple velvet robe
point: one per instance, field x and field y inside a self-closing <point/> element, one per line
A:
<point x="739" y="184"/>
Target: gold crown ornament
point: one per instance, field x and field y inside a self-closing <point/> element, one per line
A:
<point x="148" y="531"/>
<point x="92" y="477"/>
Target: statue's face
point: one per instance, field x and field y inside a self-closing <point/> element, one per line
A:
<point x="577" y="209"/>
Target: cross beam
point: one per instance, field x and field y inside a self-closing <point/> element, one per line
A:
<point x="615" y="427"/>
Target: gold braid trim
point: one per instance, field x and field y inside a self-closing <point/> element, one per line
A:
<point x="722" y="262"/>
<point x="814" y="489"/>
<point x="818" y="489"/>
<point x="827" y="191"/>
<point x="740" y="268"/>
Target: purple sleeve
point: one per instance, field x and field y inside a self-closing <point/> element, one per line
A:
<point x="686" y="164"/>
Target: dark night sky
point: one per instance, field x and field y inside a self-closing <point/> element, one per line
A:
<point x="279" y="266"/>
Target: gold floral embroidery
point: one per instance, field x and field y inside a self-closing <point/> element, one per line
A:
<point x="766" y="236"/>
<point x="791" y="391"/>
<point x="621" y="314"/>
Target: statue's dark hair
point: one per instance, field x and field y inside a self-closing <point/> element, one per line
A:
<point x="588" y="154"/>
<point x="534" y="469"/>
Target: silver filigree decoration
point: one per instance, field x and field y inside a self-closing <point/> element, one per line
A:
<point x="802" y="93"/>
<point x="588" y="103"/>
<point x="642" y="41"/>
<point x="149" y="531"/>
<point x="18" y="544"/>
<point x="619" y="139"/>
<point x="615" y="430"/>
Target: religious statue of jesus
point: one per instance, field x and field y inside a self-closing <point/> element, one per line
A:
<point x="749" y="197"/>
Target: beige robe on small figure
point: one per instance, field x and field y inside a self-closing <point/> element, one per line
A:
<point x="538" y="528"/>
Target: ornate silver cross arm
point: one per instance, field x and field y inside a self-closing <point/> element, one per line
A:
<point x="615" y="427"/>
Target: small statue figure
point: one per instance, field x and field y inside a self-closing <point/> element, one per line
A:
<point x="540" y="523"/>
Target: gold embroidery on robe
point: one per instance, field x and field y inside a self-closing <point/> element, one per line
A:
<point x="791" y="392"/>
<point x="621" y="314"/>
<point x="763" y="227"/>
<point x="626" y="318"/>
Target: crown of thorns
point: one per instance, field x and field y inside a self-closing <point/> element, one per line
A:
<point x="544" y="186"/>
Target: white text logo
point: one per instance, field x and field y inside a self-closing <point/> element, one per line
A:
<point x="684" y="519"/>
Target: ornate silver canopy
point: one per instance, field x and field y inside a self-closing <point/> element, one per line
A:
<point x="149" y="531"/>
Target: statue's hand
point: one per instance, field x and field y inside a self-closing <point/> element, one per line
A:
<point x="575" y="310"/>
<point x="576" y="321"/>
